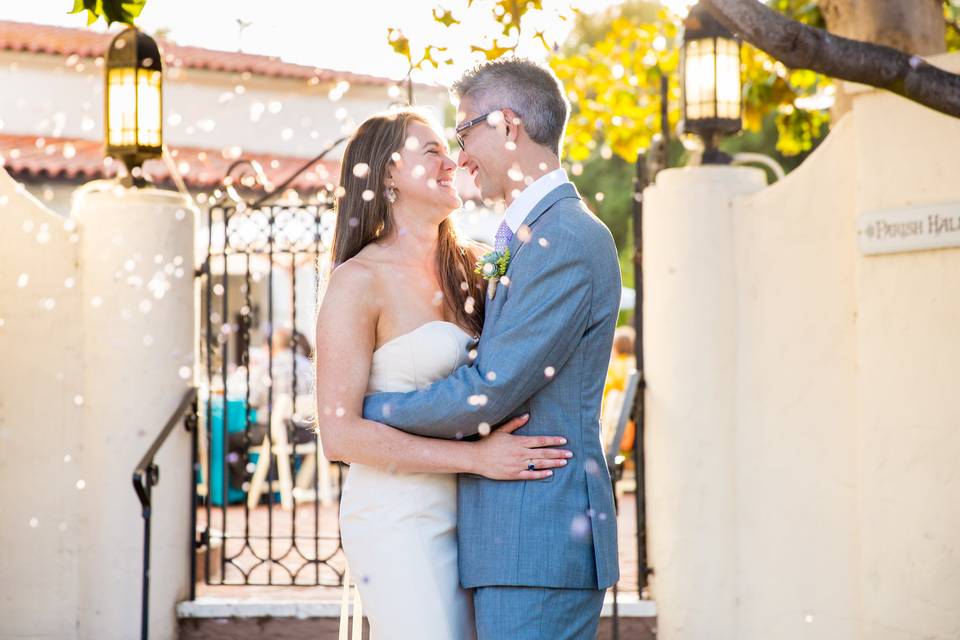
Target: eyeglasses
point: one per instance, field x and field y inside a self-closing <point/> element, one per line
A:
<point x="470" y="124"/>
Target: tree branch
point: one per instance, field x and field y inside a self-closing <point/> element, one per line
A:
<point x="799" y="46"/>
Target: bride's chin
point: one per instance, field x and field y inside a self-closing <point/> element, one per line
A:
<point x="450" y="200"/>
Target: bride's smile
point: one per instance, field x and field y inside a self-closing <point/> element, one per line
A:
<point x="422" y="177"/>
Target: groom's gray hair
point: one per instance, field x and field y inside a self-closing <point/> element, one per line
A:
<point x="531" y="90"/>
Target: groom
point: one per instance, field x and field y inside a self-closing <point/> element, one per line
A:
<point x="539" y="553"/>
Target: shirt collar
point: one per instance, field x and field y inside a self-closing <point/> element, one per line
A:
<point x="533" y="193"/>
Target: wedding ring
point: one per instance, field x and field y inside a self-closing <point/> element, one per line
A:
<point x="531" y="466"/>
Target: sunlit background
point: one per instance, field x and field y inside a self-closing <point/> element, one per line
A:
<point x="334" y="35"/>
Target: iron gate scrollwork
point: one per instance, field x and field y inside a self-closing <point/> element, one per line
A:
<point x="265" y="496"/>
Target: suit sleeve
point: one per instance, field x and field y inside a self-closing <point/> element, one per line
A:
<point x="537" y="330"/>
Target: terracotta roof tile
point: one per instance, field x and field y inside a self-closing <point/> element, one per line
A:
<point x="37" y="38"/>
<point x="73" y="159"/>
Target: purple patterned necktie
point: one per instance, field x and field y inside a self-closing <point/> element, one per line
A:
<point x="503" y="237"/>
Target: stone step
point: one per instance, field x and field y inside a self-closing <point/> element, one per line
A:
<point x="208" y="618"/>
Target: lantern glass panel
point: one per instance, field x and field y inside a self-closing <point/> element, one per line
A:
<point x="700" y="79"/>
<point x="149" y="107"/>
<point x="122" y="112"/>
<point x="728" y="78"/>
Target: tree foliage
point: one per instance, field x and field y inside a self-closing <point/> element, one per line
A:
<point x="613" y="67"/>
<point x="123" y="11"/>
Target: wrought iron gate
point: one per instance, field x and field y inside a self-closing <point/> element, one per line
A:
<point x="265" y="497"/>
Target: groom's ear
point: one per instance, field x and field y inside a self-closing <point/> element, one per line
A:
<point x="512" y="122"/>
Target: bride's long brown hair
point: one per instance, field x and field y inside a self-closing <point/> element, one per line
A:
<point x="361" y="221"/>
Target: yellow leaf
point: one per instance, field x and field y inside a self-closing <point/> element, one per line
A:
<point x="494" y="52"/>
<point x="444" y="17"/>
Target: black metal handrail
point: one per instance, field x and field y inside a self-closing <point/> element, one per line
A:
<point x="145" y="476"/>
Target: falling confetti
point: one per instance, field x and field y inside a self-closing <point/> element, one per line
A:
<point x="549" y="372"/>
<point x="580" y="527"/>
<point x="185" y="372"/>
<point x="483" y="428"/>
<point x="23" y="280"/>
<point x="361" y="169"/>
<point x="78" y="400"/>
<point x="81" y="485"/>
<point x="477" y="400"/>
<point x="34" y="522"/>
<point x="367" y="195"/>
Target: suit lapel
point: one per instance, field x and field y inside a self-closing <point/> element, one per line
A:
<point x="523" y="236"/>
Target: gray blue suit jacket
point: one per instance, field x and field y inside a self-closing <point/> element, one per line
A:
<point x="546" y="339"/>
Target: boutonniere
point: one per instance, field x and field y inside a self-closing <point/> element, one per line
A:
<point x="493" y="266"/>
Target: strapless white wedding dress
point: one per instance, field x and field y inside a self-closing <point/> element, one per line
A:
<point x="399" y="530"/>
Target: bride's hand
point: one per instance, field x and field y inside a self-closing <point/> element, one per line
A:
<point x="504" y="456"/>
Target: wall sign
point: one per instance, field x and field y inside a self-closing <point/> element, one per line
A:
<point x="913" y="228"/>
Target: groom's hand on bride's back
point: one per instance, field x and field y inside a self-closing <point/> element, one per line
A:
<point x="502" y="455"/>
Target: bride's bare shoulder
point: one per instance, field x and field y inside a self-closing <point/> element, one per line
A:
<point x="351" y="288"/>
<point x="355" y="274"/>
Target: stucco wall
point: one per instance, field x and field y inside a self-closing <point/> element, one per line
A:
<point x="803" y="428"/>
<point x="201" y="108"/>
<point x="97" y="340"/>
<point x="41" y="418"/>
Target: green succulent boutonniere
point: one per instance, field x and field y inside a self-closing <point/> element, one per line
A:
<point x="493" y="266"/>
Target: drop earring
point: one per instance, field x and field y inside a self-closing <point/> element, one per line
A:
<point x="391" y="194"/>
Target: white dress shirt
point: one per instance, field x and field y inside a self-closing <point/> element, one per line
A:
<point x="533" y="193"/>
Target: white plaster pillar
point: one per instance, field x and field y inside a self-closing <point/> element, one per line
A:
<point x="40" y="381"/>
<point x="138" y="317"/>
<point x="690" y="348"/>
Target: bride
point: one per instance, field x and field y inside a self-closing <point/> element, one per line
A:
<point x="403" y="308"/>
